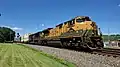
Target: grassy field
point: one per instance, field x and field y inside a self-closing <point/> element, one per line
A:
<point x="13" y="55"/>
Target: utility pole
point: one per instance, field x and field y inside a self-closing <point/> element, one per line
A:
<point x="108" y="34"/>
<point x="18" y="37"/>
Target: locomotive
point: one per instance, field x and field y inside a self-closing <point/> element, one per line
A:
<point x="79" y="32"/>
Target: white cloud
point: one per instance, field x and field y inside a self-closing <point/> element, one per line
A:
<point x="5" y="26"/>
<point x="16" y="28"/>
<point x="119" y="5"/>
<point x="43" y="25"/>
<point x="36" y="28"/>
<point x="13" y="28"/>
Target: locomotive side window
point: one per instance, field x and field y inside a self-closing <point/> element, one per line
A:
<point x="71" y="22"/>
<point x="83" y="19"/>
<point x="60" y="26"/>
<point x="79" y="20"/>
<point x="87" y="19"/>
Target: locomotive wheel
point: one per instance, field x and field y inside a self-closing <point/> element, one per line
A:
<point x="45" y="42"/>
<point x="68" y="44"/>
<point x="76" y="44"/>
<point x="42" y="43"/>
<point x="99" y="45"/>
<point x="64" y="44"/>
<point x="91" y="47"/>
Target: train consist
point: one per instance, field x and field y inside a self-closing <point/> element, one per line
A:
<point x="79" y="32"/>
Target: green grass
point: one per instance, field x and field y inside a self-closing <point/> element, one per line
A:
<point x="18" y="55"/>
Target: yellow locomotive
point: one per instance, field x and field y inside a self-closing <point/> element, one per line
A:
<point x="79" y="32"/>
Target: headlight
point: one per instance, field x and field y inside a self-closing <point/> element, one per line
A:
<point x="70" y="41"/>
<point x="78" y="41"/>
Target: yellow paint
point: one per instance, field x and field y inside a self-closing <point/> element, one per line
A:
<point x="86" y="25"/>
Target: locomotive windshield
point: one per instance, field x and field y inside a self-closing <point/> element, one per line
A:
<point x="83" y="19"/>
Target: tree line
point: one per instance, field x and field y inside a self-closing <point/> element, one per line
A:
<point x="111" y="37"/>
<point x="6" y="34"/>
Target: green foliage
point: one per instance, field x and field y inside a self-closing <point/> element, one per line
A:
<point x="6" y="34"/>
<point x="66" y="63"/>
<point x="111" y="37"/>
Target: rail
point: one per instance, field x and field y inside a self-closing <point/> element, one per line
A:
<point x="107" y="52"/>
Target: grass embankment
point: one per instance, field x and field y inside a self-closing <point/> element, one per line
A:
<point x="13" y="55"/>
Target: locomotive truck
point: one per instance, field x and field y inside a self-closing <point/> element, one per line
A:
<point x="79" y="32"/>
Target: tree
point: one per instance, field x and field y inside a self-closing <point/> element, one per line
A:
<point x="111" y="37"/>
<point x="6" y="34"/>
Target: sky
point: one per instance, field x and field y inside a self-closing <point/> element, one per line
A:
<point x="29" y="16"/>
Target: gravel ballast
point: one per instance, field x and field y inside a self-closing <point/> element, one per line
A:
<point x="81" y="59"/>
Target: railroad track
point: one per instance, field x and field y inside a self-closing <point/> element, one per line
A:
<point x="107" y="52"/>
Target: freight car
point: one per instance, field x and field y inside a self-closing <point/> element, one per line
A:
<point x="79" y="32"/>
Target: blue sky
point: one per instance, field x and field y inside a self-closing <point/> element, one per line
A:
<point x="26" y="16"/>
